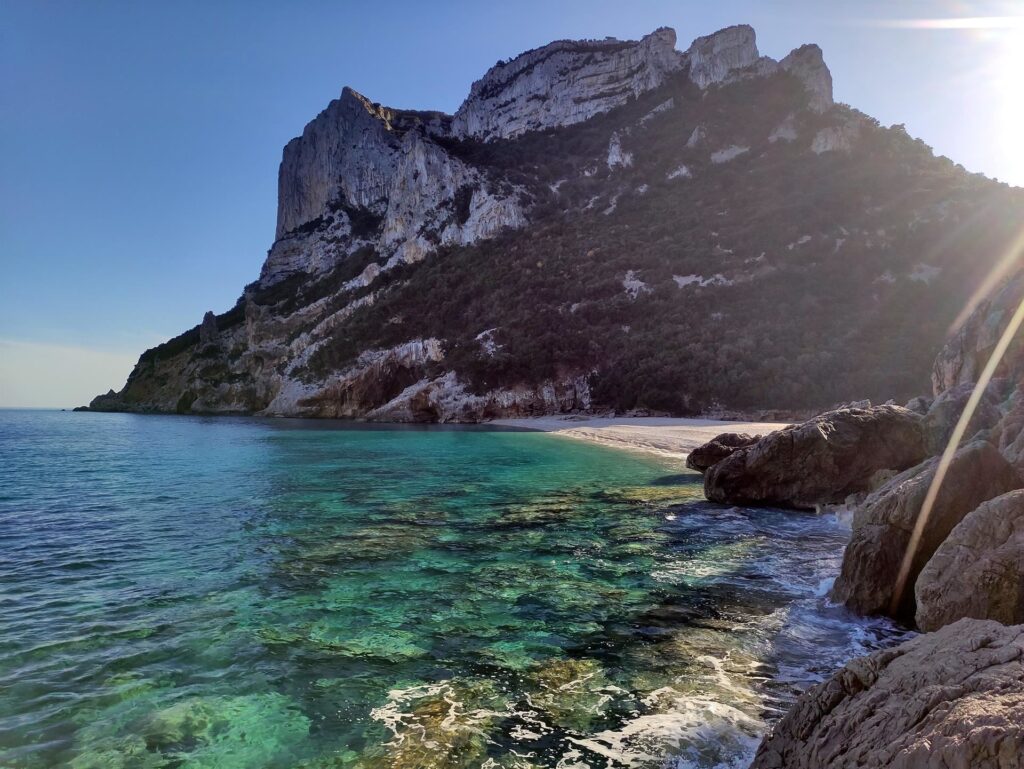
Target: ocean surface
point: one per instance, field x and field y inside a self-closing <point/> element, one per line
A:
<point x="246" y="594"/>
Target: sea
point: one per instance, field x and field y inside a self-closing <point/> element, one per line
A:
<point x="239" y="593"/>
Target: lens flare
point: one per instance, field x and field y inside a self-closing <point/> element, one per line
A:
<point x="947" y="455"/>
<point x="996" y="56"/>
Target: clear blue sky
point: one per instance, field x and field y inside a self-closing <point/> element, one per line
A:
<point x="141" y="140"/>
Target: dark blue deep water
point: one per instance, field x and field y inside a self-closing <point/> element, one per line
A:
<point x="246" y="594"/>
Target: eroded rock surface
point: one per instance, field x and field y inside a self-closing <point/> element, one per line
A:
<point x="945" y="411"/>
<point x="717" y="449"/>
<point x="364" y="176"/>
<point x="563" y="83"/>
<point x="714" y="58"/>
<point x="821" y="461"/>
<point x="964" y="356"/>
<point x="978" y="571"/>
<point x="808" y="64"/>
<point x="399" y="226"/>
<point x="883" y="524"/>
<point x="947" y="700"/>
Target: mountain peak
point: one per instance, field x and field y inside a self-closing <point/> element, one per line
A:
<point x="603" y="265"/>
<point x="563" y="83"/>
<point x="808" y="64"/>
<point x="714" y="57"/>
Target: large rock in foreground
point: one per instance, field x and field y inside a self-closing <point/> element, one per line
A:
<point x="947" y="700"/>
<point x="978" y="571"/>
<point x="717" y="449"/>
<point x="821" y="461"/>
<point x="883" y="524"/>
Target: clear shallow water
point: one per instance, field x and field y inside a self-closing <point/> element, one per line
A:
<point x="222" y="593"/>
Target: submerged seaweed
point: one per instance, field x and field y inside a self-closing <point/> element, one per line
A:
<point x="254" y="595"/>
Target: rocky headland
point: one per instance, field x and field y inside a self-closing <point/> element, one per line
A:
<point x="624" y="226"/>
<point x="601" y="226"/>
<point x="953" y="696"/>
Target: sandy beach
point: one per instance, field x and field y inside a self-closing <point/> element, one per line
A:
<point x="666" y="436"/>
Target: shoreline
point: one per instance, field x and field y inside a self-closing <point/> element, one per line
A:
<point x="667" y="437"/>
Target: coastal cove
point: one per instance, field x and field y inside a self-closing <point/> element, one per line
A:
<point x="234" y="592"/>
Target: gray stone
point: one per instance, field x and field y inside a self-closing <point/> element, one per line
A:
<point x="821" y="461"/>
<point x="564" y="83"/>
<point x="978" y="571"/>
<point x="883" y="524"/>
<point x="713" y="58"/>
<point x="947" y="700"/>
<point x="945" y="411"/>
<point x="965" y="354"/>
<point x="808" y="65"/>
<point x="717" y="449"/>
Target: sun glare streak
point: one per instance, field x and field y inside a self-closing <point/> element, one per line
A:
<point x="996" y="274"/>
<point x="994" y="67"/>
<point x="961" y="22"/>
<point x="947" y="455"/>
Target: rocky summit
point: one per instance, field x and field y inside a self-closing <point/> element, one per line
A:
<point x="602" y="224"/>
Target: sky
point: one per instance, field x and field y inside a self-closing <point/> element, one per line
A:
<point x="138" y="175"/>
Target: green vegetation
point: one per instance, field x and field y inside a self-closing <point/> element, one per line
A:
<point x="814" y="302"/>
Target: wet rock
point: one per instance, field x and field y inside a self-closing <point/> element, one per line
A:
<point x="954" y="698"/>
<point x="883" y="524"/>
<point x="717" y="449"/>
<point x="821" y="461"/>
<point x="978" y="571"/>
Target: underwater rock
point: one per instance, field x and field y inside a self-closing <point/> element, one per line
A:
<point x="571" y="692"/>
<point x="437" y="726"/>
<point x="227" y="732"/>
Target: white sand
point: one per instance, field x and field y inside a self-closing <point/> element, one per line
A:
<point x="665" y="436"/>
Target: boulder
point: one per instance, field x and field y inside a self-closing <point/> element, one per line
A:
<point x="945" y="411"/>
<point x="978" y="571"/>
<point x="1008" y="434"/>
<point x="919" y="404"/>
<point x="883" y="524"/>
<point x="947" y="700"/>
<point x="717" y="449"/>
<point x="821" y="461"/>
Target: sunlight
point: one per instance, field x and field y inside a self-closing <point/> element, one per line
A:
<point x="1006" y="84"/>
<point x="998" y="40"/>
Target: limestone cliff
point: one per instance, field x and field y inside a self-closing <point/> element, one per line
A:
<point x="601" y="224"/>
<point x="362" y="174"/>
<point x="563" y="83"/>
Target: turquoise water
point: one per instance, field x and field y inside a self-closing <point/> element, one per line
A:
<point x="222" y="593"/>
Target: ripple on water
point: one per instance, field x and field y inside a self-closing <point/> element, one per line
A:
<point x="227" y="593"/>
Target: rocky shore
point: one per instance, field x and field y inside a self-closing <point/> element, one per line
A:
<point x="937" y="543"/>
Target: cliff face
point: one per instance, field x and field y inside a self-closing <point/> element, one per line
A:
<point x="564" y="83"/>
<point x="365" y="175"/>
<point x="600" y="224"/>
